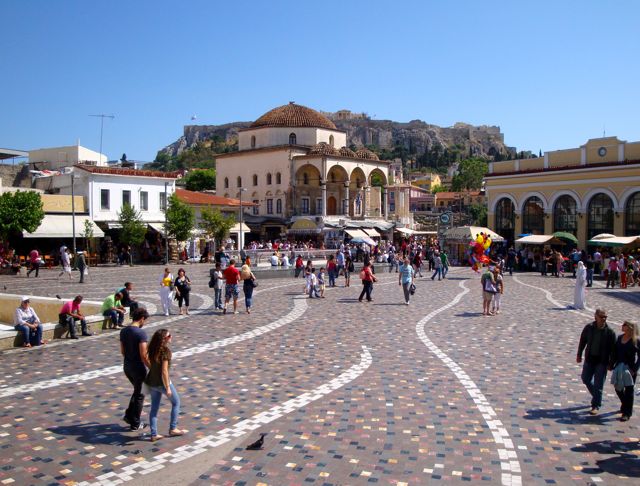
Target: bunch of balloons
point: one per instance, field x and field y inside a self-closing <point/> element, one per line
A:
<point x="479" y="251"/>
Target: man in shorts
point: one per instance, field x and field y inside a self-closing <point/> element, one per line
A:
<point x="231" y="288"/>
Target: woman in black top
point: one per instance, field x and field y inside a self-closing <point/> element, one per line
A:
<point x="628" y="352"/>
<point x="183" y="287"/>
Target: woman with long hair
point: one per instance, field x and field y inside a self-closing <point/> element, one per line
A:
<point x="166" y="286"/>
<point x="159" y="383"/>
<point x="248" y="284"/>
<point x="183" y="288"/>
<point x="626" y="363"/>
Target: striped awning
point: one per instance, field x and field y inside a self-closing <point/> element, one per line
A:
<point x="356" y="233"/>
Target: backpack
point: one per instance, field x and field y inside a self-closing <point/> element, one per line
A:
<point x="212" y="279"/>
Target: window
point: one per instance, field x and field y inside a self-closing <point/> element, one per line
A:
<point x="305" y="178"/>
<point x="331" y="140"/>
<point x="104" y="199"/>
<point x="269" y="206"/>
<point x="600" y="214"/>
<point x="632" y="216"/>
<point x="256" y="208"/>
<point x="269" y="179"/>
<point x="305" y="205"/>
<point x="239" y="181"/>
<point x="533" y="216"/>
<point x="564" y="215"/>
<point x="253" y="141"/>
<point x="505" y="219"/>
<point x="279" y="206"/>
<point x="144" y="201"/>
<point x="318" y="205"/>
<point x="226" y="183"/>
<point x="292" y="139"/>
<point x="163" y="201"/>
<point x="255" y="180"/>
<point x="126" y="198"/>
<point x="278" y="178"/>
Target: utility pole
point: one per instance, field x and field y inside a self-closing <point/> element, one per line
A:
<point x="102" y="116"/>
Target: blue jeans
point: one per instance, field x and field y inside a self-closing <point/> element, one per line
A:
<point x="218" y="298"/>
<point x="445" y="270"/>
<point x="30" y="336"/>
<point x="593" y="376"/>
<point x="438" y="272"/>
<point x="156" y="396"/>
<point x="117" y="318"/>
<point x="332" y="278"/>
<point x="247" y="288"/>
<point x="589" y="277"/>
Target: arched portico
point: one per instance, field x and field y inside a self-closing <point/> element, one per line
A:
<point x="308" y="191"/>
<point x="357" y="183"/>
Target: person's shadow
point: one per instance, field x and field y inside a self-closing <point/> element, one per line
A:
<point x="569" y="415"/>
<point x="625" y="460"/>
<point x="96" y="433"/>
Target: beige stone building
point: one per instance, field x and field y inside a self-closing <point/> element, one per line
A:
<point x="293" y="164"/>
<point x="585" y="191"/>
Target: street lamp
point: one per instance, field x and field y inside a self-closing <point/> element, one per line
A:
<point x="73" y="218"/>
<point x="166" y="239"/>
<point x="240" y="232"/>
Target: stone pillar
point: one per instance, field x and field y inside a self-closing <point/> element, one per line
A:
<point x="618" y="222"/>
<point x="548" y="223"/>
<point x="582" y="230"/>
<point x="323" y="185"/>
<point x="345" y="202"/>
<point x="383" y="202"/>
<point x="517" y="226"/>
<point x="365" y="201"/>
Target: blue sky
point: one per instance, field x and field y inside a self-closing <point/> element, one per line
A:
<point x="552" y="73"/>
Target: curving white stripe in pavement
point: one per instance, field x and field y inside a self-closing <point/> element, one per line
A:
<point x="509" y="463"/>
<point x="146" y="466"/>
<point x="299" y="308"/>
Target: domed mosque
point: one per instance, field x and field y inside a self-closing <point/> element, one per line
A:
<point x="299" y="178"/>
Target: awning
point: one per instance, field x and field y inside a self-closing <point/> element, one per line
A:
<point x="468" y="233"/>
<point x="61" y="226"/>
<point x="618" y="241"/>
<point x="236" y="228"/>
<point x="159" y="227"/>
<point x="356" y="233"/>
<point x="405" y="231"/>
<point x="112" y="225"/>
<point x="539" y="240"/>
<point x="372" y="232"/>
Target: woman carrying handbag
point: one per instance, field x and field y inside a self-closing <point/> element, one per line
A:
<point x="248" y="284"/>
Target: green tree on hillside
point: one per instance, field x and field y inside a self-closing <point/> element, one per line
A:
<point x="20" y="211"/>
<point x="180" y="219"/>
<point x="478" y="213"/>
<point x="470" y="174"/>
<point x="200" y="180"/>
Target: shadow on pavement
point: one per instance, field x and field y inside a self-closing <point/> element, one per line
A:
<point x="95" y="433"/>
<point x="469" y="314"/>
<point x="390" y="303"/>
<point x="626" y="460"/>
<point x="571" y="415"/>
<point x="625" y="295"/>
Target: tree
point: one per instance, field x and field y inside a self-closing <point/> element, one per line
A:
<point x="438" y="188"/>
<point x="215" y="224"/>
<point x="200" y="180"/>
<point x="470" y="174"/>
<point x="377" y="180"/>
<point x="478" y="213"/>
<point x="20" y="211"/>
<point x="87" y="234"/>
<point x="181" y="219"/>
<point x="133" y="228"/>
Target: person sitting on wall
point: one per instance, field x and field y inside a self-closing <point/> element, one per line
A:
<point x="70" y="313"/>
<point x="127" y="300"/>
<point x="112" y="308"/>
<point x="26" y="321"/>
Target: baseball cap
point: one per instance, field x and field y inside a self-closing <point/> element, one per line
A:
<point x="25" y="298"/>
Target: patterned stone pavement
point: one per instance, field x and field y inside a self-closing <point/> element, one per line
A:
<point x="347" y="392"/>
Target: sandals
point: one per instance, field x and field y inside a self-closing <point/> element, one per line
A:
<point x="177" y="432"/>
<point x="155" y="438"/>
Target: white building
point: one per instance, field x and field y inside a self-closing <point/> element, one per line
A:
<point x="55" y="158"/>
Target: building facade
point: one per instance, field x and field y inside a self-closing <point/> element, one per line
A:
<point x="585" y="191"/>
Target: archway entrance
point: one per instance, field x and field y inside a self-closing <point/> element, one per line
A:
<point x="331" y="206"/>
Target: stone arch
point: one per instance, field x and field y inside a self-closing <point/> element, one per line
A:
<point x="532" y="211"/>
<point x="269" y="178"/>
<point x="307" y="189"/>
<point x="337" y="175"/>
<point x="497" y="198"/>
<point x="566" y="192"/>
<point x="626" y="195"/>
<point x="596" y="190"/>
<point x="600" y="216"/>
<point x="278" y="178"/>
<point x="377" y="172"/>
<point x="357" y="179"/>
<point x="292" y="138"/>
<point x="539" y="195"/>
<point x="331" y="140"/>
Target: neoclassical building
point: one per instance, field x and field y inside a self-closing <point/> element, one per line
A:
<point x="585" y="191"/>
<point x="293" y="164"/>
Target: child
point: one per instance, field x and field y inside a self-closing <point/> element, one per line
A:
<point x="218" y="285"/>
<point x="497" y="297"/>
<point x="321" y="282"/>
<point x="312" y="284"/>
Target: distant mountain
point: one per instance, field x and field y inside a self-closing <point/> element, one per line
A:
<point x="415" y="140"/>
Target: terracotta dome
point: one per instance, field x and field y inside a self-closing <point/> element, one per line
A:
<point x="293" y="115"/>
<point x="323" y="148"/>
<point x="364" y="153"/>
<point x="346" y="152"/>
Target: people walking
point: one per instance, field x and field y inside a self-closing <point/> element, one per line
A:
<point x="580" y="293"/>
<point x="218" y="286"/>
<point x="34" y="262"/>
<point x="182" y="286"/>
<point x="599" y="340"/>
<point x="349" y="268"/>
<point x="406" y="276"/>
<point x="488" y="283"/>
<point x="312" y="284"/>
<point x="166" y="290"/>
<point x="497" y="296"/>
<point x="133" y="347"/>
<point x="437" y="265"/>
<point x="248" y="284"/>
<point x="612" y="276"/>
<point x="65" y="262"/>
<point x="368" y="278"/>
<point x="231" y="289"/>
<point x="81" y="263"/>
<point x="444" y="259"/>
<point x="159" y="383"/>
<point x="626" y="361"/>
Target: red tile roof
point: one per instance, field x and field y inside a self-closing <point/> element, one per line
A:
<point x="127" y="172"/>
<point x="203" y="199"/>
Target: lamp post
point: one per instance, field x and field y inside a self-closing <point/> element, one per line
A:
<point x="240" y="232"/>
<point x="73" y="218"/>
<point x="166" y="239"/>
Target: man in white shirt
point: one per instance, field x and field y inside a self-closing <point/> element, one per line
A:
<point x="274" y="260"/>
<point x="26" y="321"/>
<point x="285" y="261"/>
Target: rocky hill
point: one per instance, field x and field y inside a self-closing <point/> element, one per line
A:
<point x="414" y="138"/>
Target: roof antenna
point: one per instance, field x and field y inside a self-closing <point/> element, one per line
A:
<point x="604" y="131"/>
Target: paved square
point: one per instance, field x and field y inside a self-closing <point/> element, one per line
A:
<point x="347" y="392"/>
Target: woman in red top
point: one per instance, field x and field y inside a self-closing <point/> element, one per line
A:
<point x="368" y="278"/>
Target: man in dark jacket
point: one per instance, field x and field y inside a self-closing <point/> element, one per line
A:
<point x="600" y="341"/>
